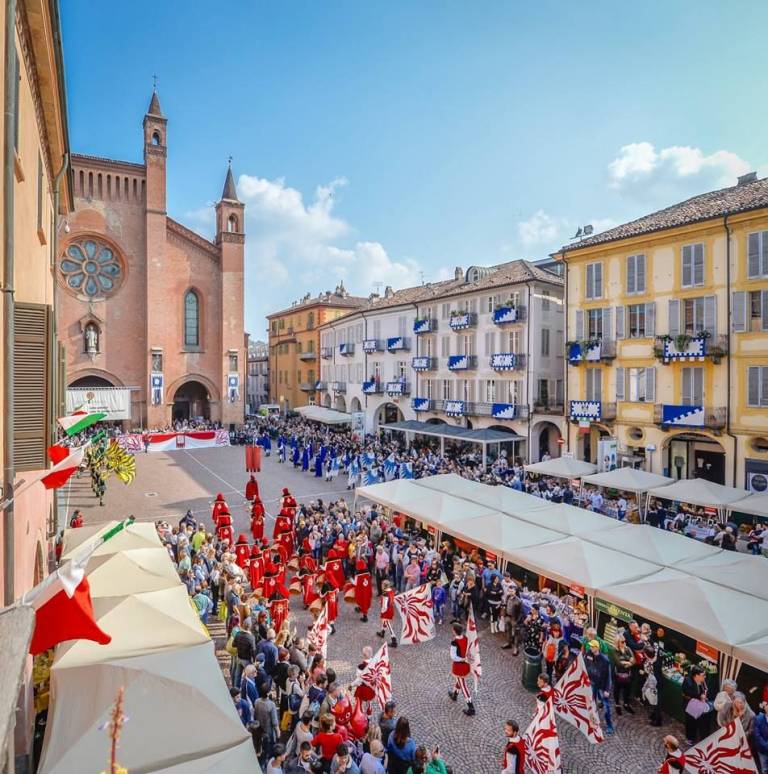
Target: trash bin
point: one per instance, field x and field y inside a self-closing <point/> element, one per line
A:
<point x="531" y="669"/>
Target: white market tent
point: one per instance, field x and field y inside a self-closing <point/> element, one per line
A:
<point x="737" y="571"/>
<point x="754" y="652"/>
<point x="562" y="467"/>
<point x="136" y="535"/>
<point x="135" y="571"/>
<point x="628" y="480"/>
<point x="699" y="491"/>
<point x="567" y="519"/>
<point x="325" y="416"/>
<point x="497" y="530"/>
<point x="754" y="505"/>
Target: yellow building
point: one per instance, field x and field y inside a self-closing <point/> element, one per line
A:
<point x="294" y="345"/>
<point x="667" y="339"/>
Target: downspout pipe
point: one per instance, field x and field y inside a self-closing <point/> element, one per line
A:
<point x="9" y="155"/>
<point x="729" y="358"/>
<point x="529" y="315"/>
<point x="566" y="404"/>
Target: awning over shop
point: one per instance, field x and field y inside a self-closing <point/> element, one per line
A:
<point x="481" y="435"/>
<point x="754" y="505"/>
<point x="562" y="467"/>
<point x="737" y="571"/>
<point x="699" y="491"/>
<point x="325" y="416"/>
<point x="134" y="571"/>
<point x="628" y="480"/>
<point x="136" y="535"/>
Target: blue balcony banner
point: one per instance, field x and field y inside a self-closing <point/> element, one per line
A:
<point x="458" y="362"/>
<point x="396" y="342"/>
<point x="370" y="388"/>
<point x="591" y="352"/>
<point x="586" y="409"/>
<point x="687" y="416"/>
<point x="422" y="326"/>
<point x="454" y="408"/>
<point x="420" y="404"/>
<point x="370" y="345"/>
<point x="506" y="314"/>
<point x="695" y="349"/>
<point x="503" y="361"/>
<point x="420" y="363"/>
<point x="396" y="388"/>
<point x="460" y="321"/>
<point x="503" y="410"/>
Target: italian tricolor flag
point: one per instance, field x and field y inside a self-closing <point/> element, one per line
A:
<point x="80" y="420"/>
<point x="66" y="460"/>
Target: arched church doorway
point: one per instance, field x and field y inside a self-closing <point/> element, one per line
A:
<point x="91" y="381"/>
<point x="191" y="402"/>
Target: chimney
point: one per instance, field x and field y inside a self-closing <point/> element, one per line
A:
<point x="458" y="273"/>
<point x="388" y="292"/>
<point x="750" y="177"/>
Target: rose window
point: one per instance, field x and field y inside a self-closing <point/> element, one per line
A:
<point x="91" y="269"/>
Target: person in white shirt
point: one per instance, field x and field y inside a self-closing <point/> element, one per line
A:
<point x="621" y="508"/>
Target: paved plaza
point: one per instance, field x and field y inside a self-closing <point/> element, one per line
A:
<point x="166" y="485"/>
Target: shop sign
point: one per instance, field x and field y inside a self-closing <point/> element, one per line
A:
<point x="431" y="529"/>
<point x="613" y="610"/>
<point x="490" y="556"/>
<point x="707" y="652"/>
<point x="576" y="590"/>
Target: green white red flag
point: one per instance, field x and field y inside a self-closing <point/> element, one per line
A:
<point x="80" y="420"/>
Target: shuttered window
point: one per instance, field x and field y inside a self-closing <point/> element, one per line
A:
<point x="594" y="280"/>
<point x="620" y="322"/>
<point x="578" y="333"/>
<point x="693" y="266"/>
<point x="757" y="383"/>
<point x="635" y="274"/>
<point x="693" y="386"/>
<point x="31" y="386"/>
<point x="621" y="379"/>
<point x="594" y="377"/>
<point x="757" y="255"/>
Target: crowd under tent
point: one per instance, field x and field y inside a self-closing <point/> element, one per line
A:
<point x="483" y="437"/>
<point x="699" y="491"/>
<point x="324" y="416"/>
<point x="136" y="535"/>
<point x="562" y="467"/>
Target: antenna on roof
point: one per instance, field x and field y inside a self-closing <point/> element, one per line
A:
<point x="583" y="231"/>
<point x="377" y="286"/>
<point x="421" y="274"/>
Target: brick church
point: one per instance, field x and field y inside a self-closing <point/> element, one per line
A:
<point x="148" y="310"/>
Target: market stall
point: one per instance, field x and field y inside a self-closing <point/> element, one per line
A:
<point x="738" y="571"/>
<point x="562" y="467"/>
<point x="631" y="480"/>
<point x="324" y="416"/>
<point x="135" y="535"/>
<point x="699" y="491"/>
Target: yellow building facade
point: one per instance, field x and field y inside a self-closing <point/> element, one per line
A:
<point x="667" y="340"/>
<point x="294" y="345"/>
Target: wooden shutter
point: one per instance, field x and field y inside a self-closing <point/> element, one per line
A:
<point x="598" y="280"/>
<point x="698" y="386"/>
<point x="686" y="401"/>
<point x="31" y="386"/>
<point x="764" y="309"/>
<point x="579" y="332"/>
<point x="640" y="273"/>
<point x="673" y="327"/>
<point x="753" y="255"/>
<point x="710" y="315"/>
<point x="698" y="264"/>
<point x="753" y="386"/>
<point x="607" y="328"/>
<point x="686" y="277"/>
<point x="650" y="385"/>
<point x="620" y="322"/>
<point x="650" y="318"/>
<point x="620" y="384"/>
<point x="739" y="311"/>
<point x="590" y="281"/>
<point x="631" y="274"/>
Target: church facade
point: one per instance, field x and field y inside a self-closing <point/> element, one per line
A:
<point x="149" y="310"/>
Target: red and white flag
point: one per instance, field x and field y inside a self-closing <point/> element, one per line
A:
<point x="318" y="634"/>
<point x="415" y="608"/>
<point x="574" y="701"/>
<point x="66" y="462"/>
<point x="542" y="744"/>
<point x="473" y="647"/>
<point x="724" y="752"/>
<point x="377" y="675"/>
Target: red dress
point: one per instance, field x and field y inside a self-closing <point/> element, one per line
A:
<point x="460" y="668"/>
<point x="363" y="591"/>
<point x="278" y="611"/>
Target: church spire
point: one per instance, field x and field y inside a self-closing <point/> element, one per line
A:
<point x="154" y="103"/>
<point x="230" y="189"/>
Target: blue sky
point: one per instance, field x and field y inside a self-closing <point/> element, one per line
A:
<point x="376" y="141"/>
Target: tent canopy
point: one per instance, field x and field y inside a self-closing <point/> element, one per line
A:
<point x="325" y="416"/>
<point x="135" y="571"/>
<point x="567" y="519"/>
<point x="628" y="480"/>
<point x="500" y="533"/>
<point x="737" y="571"/>
<point x="754" y="505"/>
<point x="562" y="467"/>
<point x="699" y="491"/>
<point x="481" y="435"/>
<point x="755" y="653"/>
<point x="136" y="535"/>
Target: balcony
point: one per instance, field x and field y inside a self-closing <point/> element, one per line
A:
<point x="371" y="345"/>
<point x="590" y="351"/>
<point x="424" y="325"/>
<point x="423" y="363"/>
<point x="462" y="320"/>
<point x="308" y="386"/>
<point x="338" y="387"/>
<point x="586" y="410"/>
<point x="495" y="410"/>
<point x="669" y="349"/>
<point x="422" y="404"/>
<point x="372" y="387"/>
<point x="670" y="416"/>
<point x="548" y="406"/>
<point x="326" y="353"/>
<point x="310" y="355"/>
<point x="321" y="385"/>
<point x="507" y="361"/>
<point x="508" y="313"/>
<point x="397" y="388"/>
<point x="453" y="408"/>
<point x="398" y="344"/>
<point x="462" y="362"/>
<point x="347" y="349"/>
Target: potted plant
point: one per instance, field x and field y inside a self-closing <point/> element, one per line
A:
<point x="682" y="340"/>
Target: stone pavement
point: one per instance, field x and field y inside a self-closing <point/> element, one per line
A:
<point x="167" y="484"/>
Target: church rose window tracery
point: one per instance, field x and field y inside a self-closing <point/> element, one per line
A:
<point x="91" y="268"/>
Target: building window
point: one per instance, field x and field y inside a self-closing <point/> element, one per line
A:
<point x="543" y="392"/>
<point x="310" y="321"/>
<point x="544" y="300"/>
<point x="636" y="328"/>
<point x="445" y="311"/>
<point x="594" y="280"/>
<point x="693" y="266"/>
<point x="232" y="224"/>
<point x="693" y="386"/>
<point x="191" y="319"/>
<point x="91" y="269"/>
<point x="757" y="380"/>
<point x="635" y="274"/>
<point x="446" y="389"/>
<point x="594" y="324"/>
<point x="757" y="255"/>
<point x="545" y="342"/>
<point x="232" y="362"/>
<point x="594" y="378"/>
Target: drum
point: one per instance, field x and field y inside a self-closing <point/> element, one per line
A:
<point x="316" y="607"/>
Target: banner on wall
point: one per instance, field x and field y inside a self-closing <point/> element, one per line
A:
<point x="115" y="402"/>
<point x="607" y="454"/>
<point x="233" y="387"/>
<point x="156" y="388"/>
<point x="193" y="439"/>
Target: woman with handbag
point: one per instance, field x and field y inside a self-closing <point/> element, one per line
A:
<point x="623" y="661"/>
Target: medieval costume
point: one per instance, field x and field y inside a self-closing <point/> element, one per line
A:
<point x="256" y="567"/>
<point x="460" y="668"/>
<point x="242" y="552"/>
<point x="219" y="506"/>
<point x="514" y="756"/>
<point x="251" y="489"/>
<point x="257" y="519"/>
<point x="224" y="526"/>
<point x="363" y="589"/>
<point x="387" y="614"/>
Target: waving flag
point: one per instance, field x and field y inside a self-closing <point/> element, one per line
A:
<point x="318" y="633"/>
<point x="66" y="462"/>
<point x="406" y="470"/>
<point x="415" y="608"/>
<point x="542" y="744"/>
<point x="390" y="467"/>
<point x="369" y="458"/>
<point x="370" y="477"/>
<point x="354" y="467"/>
<point x="377" y="675"/>
<point x="574" y="702"/>
<point x="80" y="420"/>
<point x="724" y="752"/>
<point x="473" y="647"/>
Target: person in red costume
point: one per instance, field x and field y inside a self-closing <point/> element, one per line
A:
<point x="460" y="667"/>
<point x="387" y="614"/>
<point x="278" y="610"/>
<point x="242" y="552"/>
<point x="256" y="567"/>
<point x="308" y="588"/>
<point x="363" y="589"/>
<point x="282" y="524"/>
<point x="251" y="488"/>
<point x="224" y="526"/>
<point x="284" y="544"/>
<point x="330" y="596"/>
<point x="288" y="499"/>
<point x="364" y="693"/>
<point x="219" y="506"/>
<point x="514" y="750"/>
<point x="334" y="570"/>
<point x="257" y="519"/>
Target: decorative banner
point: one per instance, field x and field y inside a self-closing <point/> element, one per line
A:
<point x="503" y="361"/>
<point x="586" y="409"/>
<point x="423" y="326"/>
<point x="421" y="363"/>
<point x="420" y="404"/>
<point x="454" y="408"/>
<point x="415" y="608"/>
<point x="371" y="387"/>
<point x="707" y="652"/>
<point x="724" y="752"/>
<point x="574" y="701"/>
<point x="318" y="632"/>
<point x="473" y="647"/>
<point x="590" y="352"/>
<point x="695" y="349"/>
<point x="115" y="402"/>
<point x="377" y="675"/>
<point x="396" y="388"/>
<point x="459" y="322"/>
<point x="156" y="387"/>
<point x="542" y="744"/>
<point x="505" y="314"/>
<point x="688" y="416"/>
<point x="371" y="345"/>
<point x="347" y="349"/>
<point x="233" y="387"/>
<point x="195" y="439"/>
<point x="458" y="362"/>
<point x="503" y="410"/>
<point x="396" y="343"/>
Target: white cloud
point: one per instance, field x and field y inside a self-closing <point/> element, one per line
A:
<point x="543" y="232"/>
<point x="670" y="174"/>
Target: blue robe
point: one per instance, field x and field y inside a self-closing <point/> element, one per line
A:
<point x="281" y="449"/>
<point x="305" y="459"/>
